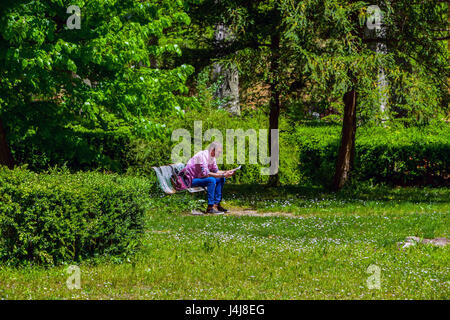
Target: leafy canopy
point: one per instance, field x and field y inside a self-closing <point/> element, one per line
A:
<point x="56" y="82"/>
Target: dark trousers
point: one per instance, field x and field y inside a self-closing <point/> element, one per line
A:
<point x="214" y="187"/>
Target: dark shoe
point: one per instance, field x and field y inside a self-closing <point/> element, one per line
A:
<point x="213" y="210"/>
<point x="220" y="208"/>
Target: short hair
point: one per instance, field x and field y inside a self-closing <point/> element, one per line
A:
<point x="215" y="146"/>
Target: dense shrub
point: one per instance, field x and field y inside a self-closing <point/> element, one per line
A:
<point x="410" y="156"/>
<point x="79" y="149"/>
<point x="56" y="217"/>
<point x="317" y="152"/>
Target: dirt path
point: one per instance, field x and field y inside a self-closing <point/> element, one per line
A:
<point x="254" y="213"/>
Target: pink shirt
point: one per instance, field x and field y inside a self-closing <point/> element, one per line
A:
<point x="201" y="164"/>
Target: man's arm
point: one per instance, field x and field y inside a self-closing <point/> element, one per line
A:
<point x="221" y="174"/>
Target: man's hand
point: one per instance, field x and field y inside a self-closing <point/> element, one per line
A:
<point x="229" y="173"/>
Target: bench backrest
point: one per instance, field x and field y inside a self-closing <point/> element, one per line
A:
<point x="164" y="173"/>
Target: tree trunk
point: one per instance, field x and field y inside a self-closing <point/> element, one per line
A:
<point x="274" y="180"/>
<point x="347" y="148"/>
<point x="383" y="84"/>
<point x="5" y="153"/>
<point x="379" y="31"/>
<point x="229" y="88"/>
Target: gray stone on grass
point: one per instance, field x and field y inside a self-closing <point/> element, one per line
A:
<point x="412" y="241"/>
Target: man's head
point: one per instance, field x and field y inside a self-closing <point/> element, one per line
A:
<point x="215" y="149"/>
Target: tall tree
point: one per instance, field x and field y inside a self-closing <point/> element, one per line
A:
<point x="344" y="56"/>
<point x="429" y="18"/>
<point x="346" y="153"/>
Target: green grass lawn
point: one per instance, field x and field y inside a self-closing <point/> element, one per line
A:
<point x="319" y="246"/>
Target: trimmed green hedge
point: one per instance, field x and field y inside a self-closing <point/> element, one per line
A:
<point x="412" y="156"/>
<point x="56" y="217"/>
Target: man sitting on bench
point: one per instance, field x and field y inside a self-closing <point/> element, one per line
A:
<point x="202" y="167"/>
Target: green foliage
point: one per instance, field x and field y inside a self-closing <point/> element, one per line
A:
<point x="79" y="148"/>
<point x="109" y="95"/>
<point x="308" y="152"/>
<point x="142" y="154"/>
<point x="404" y="156"/>
<point x="57" y="217"/>
<point x="108" y="78"/>
<point x="324" y="43"/>
<point x="318" y="148"/>
<point x="207" y="87"/>
<point x="393" y="155"/>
